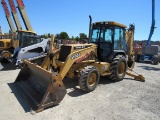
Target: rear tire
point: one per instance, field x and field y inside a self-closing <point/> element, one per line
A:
<point x="89" y="78"/>
<point x="155" y="60"/>
<point x="118" y="68"/>
<point x="6" y="54"/>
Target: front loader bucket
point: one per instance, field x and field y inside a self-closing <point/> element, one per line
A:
<point x="39" y="87"/>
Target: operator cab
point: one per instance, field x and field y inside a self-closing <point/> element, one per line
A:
<point x="31" y="40"/>
<point x="5" y="36"/>
<point x="109" y="37"/>
<point x="21" y="36"/>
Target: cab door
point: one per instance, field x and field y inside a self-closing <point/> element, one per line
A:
<point x="119" y="39"/>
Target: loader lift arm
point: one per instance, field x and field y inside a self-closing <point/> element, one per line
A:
<point x="15" y="15"/>
<point x="8" y="16"/>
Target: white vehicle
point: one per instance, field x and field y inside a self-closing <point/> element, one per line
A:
<point x="33" y="48"/>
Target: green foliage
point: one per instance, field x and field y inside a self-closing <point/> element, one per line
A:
<point x="73" y="38"/>
<point x="82" y="35"/>
<point x="77" y="38"/>
<point x="64" y="35"/>
<point x="57" y="36"/>
<point x="46" y="35"/>
<point x="49" y="35"/>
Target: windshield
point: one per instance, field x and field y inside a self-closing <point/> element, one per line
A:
<point x="103" y="35"/>
<point x="20" y="37"/>
<point x="119" y="39"/>
<point x="31" y="40"/>
<point x="95" y="35"/>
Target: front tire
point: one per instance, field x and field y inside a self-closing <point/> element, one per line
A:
<point x="89" y="78"/>
<point x="6" y="54"/>
<point x="118" y="68"/>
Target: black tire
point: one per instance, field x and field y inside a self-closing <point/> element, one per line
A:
<point x="155" y="60"/>
<point x="6" y="54"/>
<point x="89" y="78"/>
<point x="118" y="68"/>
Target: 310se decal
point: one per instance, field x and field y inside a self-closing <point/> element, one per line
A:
<point x="75" y="56"/>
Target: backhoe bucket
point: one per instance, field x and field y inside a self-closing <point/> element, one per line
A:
<point x="39" y="87"/>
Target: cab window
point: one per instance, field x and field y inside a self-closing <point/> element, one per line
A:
<point x="106" y="35"/>
<point x="119" y="39"/>
<point x="95" y="35"/>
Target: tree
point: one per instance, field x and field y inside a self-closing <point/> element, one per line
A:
<point x="77" y="38"/>
<point x="73" y="38"/>
<point x="82" y="35"/>
<point x="64" y="35"/>
<point x="49" y="35"/>
<point x="44" y="36"/>
<point x="57" y="36"/>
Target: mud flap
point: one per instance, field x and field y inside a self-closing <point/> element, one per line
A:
<point x="39" y="87"/>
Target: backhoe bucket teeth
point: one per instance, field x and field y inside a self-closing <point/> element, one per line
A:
<point x="39" y="87"/>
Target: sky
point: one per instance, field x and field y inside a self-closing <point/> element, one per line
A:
<point x="72" y="16"/>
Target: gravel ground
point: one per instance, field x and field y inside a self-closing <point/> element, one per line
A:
<point x="124" y="100"/>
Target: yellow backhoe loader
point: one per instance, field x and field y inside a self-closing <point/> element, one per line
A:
<point x="108" y="53"/>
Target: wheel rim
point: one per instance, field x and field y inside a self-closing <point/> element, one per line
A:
<point x="92" y="79"/>
<point x="6" y="55"/>
<point x="121" y="68"/>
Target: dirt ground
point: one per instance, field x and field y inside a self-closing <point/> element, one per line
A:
<point x="124" y="100"/>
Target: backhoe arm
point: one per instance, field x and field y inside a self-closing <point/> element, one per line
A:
<point x="135" y="75"/>
<point x="130" y="38"/>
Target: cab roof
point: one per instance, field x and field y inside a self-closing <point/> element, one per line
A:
<point x="33" y="36"/>
<point x="110" y="23"/>
<point x="27" y="31"/>
<point x="5" y="40"/>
